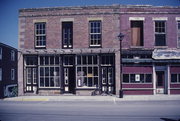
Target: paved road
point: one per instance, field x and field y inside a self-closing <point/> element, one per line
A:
<point x="90" y="111"/>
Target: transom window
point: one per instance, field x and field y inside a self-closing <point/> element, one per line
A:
<point x="87" y="71"/>
<point x="68" y="60"/>
<point x="137" y="78"/>
<point x="95" y="33"/>
<point x="31" y="60"/>
<point x="107" y="60"/>
<point x="67" y="34"/>
<point x="160" y="33"/>
<point x="178" y="33"/>
<point x="49" y="72"/>
<point x="175" y="78"/>
<point x="40" y="34"/>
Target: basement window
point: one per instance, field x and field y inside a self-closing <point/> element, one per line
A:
<point x="137" y="35"/>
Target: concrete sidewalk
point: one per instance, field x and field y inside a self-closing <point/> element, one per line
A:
<point x="95" y="98"/>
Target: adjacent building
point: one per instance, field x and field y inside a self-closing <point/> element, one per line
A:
<point x="76" y="50"/>
<point x="8" y="71"/>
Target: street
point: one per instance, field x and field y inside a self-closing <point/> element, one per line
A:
<point x="90" y="111"/>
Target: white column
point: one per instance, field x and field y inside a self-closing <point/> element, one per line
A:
<point x="154" y="80"/>
<point x="168" y="79"/>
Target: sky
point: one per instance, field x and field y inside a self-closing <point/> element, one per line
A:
<point x="9" y="12"/>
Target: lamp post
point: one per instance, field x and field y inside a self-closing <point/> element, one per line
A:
<point x="120" y="37"/>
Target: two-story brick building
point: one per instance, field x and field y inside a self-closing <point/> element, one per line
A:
<point x="76" y="50"/>
<point x="151" y="54"/>
<point x="8" y="71"/>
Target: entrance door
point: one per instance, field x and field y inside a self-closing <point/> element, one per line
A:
<point x="160" y="82"/>
<point x="69" y="80"/>
<point x="31" y="79"/>
<point x="108" y="80"/>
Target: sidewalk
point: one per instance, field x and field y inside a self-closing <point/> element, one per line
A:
<point x="95" y="98"/>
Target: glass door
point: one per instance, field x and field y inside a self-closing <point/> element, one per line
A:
<point x="31" y="79"/>
<point x="108" y="85"/>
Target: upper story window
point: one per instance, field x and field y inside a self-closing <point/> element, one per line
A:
<point x="12" y="55"/>
<point x="95" y="33"/>
<point x="137" y="35"/>
<point x="0" y="53"/>
<point x="160" y="33"/>
<point x="67" y="34"/>
<point x="178" y="34"/>
<point x="40" y="34"/>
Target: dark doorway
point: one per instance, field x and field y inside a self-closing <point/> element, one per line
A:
<point x="69" y="80"/>
<point x="160" y="82"/>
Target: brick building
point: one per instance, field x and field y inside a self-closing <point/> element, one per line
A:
<point x="76" y="50"/>
<point x="8" y="71"/>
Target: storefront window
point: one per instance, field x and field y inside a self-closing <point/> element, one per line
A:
<point x="49" y="71"/>
<point x="137" y="78"/>
<point x="175" y="78"/>
<point x="87" y="71"/>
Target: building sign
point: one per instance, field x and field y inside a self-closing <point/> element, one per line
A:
<point x="166" y="54"/>
<point x="137" y="78"/>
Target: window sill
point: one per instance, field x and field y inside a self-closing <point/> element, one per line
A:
<point x="138" y="83"/>
<point x="40" y="47"/>
<point x="95" y="46"/>
<point x="160" y="47"/>
<point x="136" y="47"/>
<point x="86" y="88"/>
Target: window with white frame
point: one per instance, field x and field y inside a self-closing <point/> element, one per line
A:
<point x="0" y="53"/>
<point x="0" y="74"/>
<point x="178" y="34"/>
<point x="87" y="74"/>
<point x="49" y="72"/>
<point x="12" y="55"/>
<point x="95" y="33"/>
<point x="40" y="34"/>
<point x="137" y="78"/>
<point x="12" y="74"/>
<point x="175" y="78"/>
<point x="160" y="33"/>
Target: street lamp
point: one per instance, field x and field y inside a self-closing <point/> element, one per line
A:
<point x="121" y="37"/>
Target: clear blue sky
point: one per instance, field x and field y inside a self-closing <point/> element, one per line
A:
<point x="9" y="12"/>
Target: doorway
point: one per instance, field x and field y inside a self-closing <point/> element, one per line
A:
<point x="160" y="82"/>
<point x="108" y="80"/>
<point x="69" y="80"/>
<point x="31" y="79"/>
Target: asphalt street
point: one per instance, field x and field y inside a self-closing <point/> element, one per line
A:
<point x="90" y="111"/>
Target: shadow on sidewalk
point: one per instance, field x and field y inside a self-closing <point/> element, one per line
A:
<point x="167" y="119"/>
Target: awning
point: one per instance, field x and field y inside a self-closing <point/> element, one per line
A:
<point x="159" y="54"/>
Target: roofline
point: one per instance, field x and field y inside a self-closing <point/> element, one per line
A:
<point x="92" y="7"/>
<point x="8" y="46"/>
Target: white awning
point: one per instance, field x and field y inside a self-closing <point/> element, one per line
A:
<point x="166" y="54"/>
